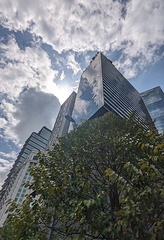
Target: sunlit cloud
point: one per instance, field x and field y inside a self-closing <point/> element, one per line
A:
<point x="62" y="76"/>
<point x="24" y="68"/>
<point x="63" y="92"/>
<point x="73" y="64"/>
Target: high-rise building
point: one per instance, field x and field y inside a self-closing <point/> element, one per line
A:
<point x="103" y="88"/>
<point x="154" y="101"/>
<point x="17" y="190"/>
<point x="16" y="177"/>
<point x="14" y="184"/>
<point x="62" y="123"/>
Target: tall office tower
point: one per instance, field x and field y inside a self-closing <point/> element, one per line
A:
<point x="103" y="88"/>
<point x="62" y="123"/>
<point x="154" y="101"/>
<point x="18" y="191"/>
<point x="37" y="141"/>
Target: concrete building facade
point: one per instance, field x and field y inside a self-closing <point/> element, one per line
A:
<point x="62" y="123"/>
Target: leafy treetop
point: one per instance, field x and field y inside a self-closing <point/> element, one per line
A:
<point x="103" y="180"/>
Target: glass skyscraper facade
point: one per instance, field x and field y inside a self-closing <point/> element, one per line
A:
<point x="103" y="88"/>
<point x="16" y="190"/>
<point x="36" y="141"/>
<point x="154" y="101"/>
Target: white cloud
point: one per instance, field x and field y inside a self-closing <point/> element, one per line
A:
<point x="6" y="164"/>
<point x="62" y="76"/>
<point x="87" y="59"/>
<point x="8" y="109"/>
<point x="79" y="25"/>
<point x="34" y="110"/>
<point x="142" y="24"/>
<point x="76" y="85"/>
<point x="142" y="35"/>
<point x="11" y="155"/>
<point x="73" y="64"/>
<point x="25" y="68"/>
<point x="63" y="92"/>
<point x="135" y="27"/>
<point x="3" y="122"/>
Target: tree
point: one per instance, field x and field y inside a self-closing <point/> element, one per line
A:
<point x="103" y="180"/>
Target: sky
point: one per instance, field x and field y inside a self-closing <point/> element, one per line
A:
<point x="46" y="44"/>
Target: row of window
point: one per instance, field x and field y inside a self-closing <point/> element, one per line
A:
<point x="117" y="101"/>
<point x="41" y="139"/>
<point x="121" y="94"/>
<point x="45" y="133"/>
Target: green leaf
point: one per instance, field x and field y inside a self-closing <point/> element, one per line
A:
<point x="142" y="146"/>
<point x="120" y="212"/>
<point x="155" y="150"/>
<point x="82" y="188"/>
<point x="153" y="175"/>
<point x="107" y="171"/>
<point x="143" y="166"/>
<point x="126" y="164"/>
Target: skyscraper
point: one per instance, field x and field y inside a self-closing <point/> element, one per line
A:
<point x="15" y="179"/>
<point x="103" y="88"/>
<point x="154" y="101"/>
<point x="17" y="190"/>
<point x="61" y="125"/>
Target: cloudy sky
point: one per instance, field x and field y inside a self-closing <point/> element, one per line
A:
<point x="46" y="44"/>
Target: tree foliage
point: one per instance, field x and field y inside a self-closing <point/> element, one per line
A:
<point x="103" y="180"/>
